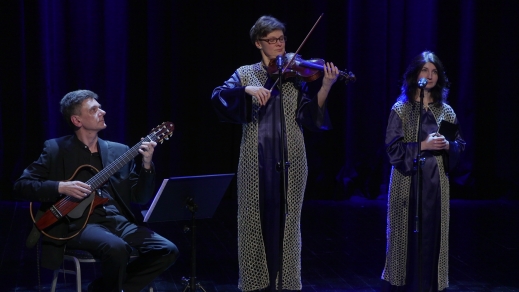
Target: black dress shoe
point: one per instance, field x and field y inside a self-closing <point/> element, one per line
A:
<point x="97" y="286"/>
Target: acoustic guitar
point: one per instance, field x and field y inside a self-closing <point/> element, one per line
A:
<point x="75" y="208"/>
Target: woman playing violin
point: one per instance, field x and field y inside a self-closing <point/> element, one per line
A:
<point x="248" y="98"/>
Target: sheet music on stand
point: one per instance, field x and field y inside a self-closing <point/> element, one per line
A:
<point x="188" y="198"/>
<point x="169" y="203"/>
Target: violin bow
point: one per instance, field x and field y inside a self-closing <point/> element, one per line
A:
<point x="297" y="51"/>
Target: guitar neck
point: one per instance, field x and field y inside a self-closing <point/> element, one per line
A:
<point x="102" y="176"/>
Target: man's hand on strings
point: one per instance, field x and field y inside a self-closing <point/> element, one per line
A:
<point x="75" y="189"/>
<point x="146" y="149"/>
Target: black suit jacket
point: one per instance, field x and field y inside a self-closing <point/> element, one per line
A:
<point x="58" y="162"/>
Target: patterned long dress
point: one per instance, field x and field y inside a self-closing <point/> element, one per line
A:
<point x="401" y="267"/>
<point x="260" y="200"/>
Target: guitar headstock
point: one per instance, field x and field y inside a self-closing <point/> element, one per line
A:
<point x="162" y="132"/>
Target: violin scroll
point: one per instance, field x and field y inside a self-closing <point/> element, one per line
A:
<point x="347" y="77"/>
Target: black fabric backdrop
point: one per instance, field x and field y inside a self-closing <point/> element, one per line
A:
<point x="155" y="61"/>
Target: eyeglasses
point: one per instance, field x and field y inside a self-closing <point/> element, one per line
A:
<point x="272" y="41"/>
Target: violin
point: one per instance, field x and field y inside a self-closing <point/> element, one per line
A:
<point x="309" y="70"/>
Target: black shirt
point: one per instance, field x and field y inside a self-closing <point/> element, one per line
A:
<point x="110" y="208"/>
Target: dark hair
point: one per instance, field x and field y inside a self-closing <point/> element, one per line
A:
<point x="71" y="103"/>
<point x="439" y="92"/>
<point x="263" y="26"/>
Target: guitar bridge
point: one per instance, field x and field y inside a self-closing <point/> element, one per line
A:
<point x="55" y="212"/>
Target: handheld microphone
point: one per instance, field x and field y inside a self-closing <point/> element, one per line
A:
<point x="422" y="82"/>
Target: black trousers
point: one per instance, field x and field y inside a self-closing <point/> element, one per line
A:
<point x="112" y="239"/>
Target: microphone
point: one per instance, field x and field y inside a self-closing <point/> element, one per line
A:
<point x="279" y="62"/>
<point x="422" y="82"/>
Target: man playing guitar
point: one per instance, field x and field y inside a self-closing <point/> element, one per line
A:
<point x="107" y="230"/>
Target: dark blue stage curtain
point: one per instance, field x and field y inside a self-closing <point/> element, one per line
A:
<point x="155" y="61"/>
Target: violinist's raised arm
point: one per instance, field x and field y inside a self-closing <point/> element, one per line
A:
<point x="249" y="97"/>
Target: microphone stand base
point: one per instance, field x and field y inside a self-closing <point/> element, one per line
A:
<point x="191" y="285"/>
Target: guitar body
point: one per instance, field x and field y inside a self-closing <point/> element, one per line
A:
<point x="72" y="207"/>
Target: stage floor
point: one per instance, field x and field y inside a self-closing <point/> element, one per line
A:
<point x="343" y="248"/>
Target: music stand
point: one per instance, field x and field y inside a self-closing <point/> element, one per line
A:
<point x="188" y="198"/>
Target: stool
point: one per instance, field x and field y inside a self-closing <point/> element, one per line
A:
<point x="77" y="257"/>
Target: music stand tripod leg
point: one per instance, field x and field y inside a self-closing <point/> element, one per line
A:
<point x="191" y="282"/>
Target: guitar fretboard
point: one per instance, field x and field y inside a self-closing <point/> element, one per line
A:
<point x="102" y="176"/>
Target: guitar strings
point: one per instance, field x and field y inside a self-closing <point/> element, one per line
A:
<point x="109" y="170"/>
